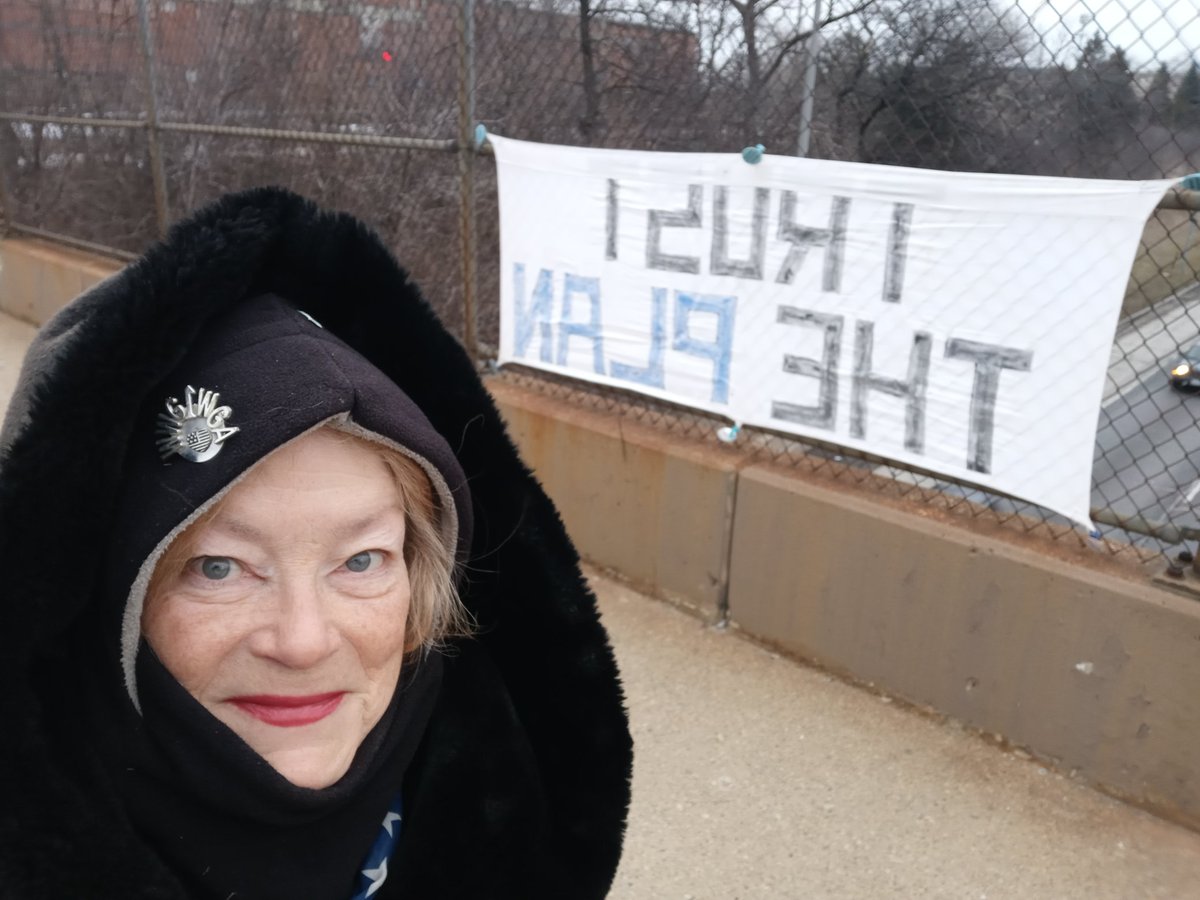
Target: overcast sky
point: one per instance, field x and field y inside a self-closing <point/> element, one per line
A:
<point x="1166" y="30"/>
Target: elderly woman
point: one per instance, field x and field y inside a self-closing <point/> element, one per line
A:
<point x="284" y="616"/>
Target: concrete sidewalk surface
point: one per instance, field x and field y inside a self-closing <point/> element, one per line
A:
<point x="758" y="777"/>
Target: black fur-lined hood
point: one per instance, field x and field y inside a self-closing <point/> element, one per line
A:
<point x="522" y="781"/>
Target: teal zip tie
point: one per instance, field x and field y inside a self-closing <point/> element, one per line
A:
<point x="481" y="135"/>
<point x="754" y="155"/>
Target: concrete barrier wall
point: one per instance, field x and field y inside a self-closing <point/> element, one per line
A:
<point x="1089" y="671"/>
<point x="1081" y="662"/>
<point x="38" y="277"/>
<point x="656" y="510"/>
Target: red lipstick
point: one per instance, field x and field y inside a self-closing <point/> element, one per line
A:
<point x="289" y="711"/>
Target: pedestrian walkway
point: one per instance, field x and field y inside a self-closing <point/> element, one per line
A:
<point x="757" y="777"/>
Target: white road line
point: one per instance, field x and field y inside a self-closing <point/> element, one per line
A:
<point x="1182" y="499"/>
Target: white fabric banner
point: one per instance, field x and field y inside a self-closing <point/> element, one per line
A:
<point x="959" y="323"/>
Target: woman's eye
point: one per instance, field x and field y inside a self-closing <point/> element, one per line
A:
<point x="215" y="568"/>
<point x="360" y="562"/>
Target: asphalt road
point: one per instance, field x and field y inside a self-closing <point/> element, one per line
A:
<point x="1147" y="457"/>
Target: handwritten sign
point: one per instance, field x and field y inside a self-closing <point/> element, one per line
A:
<point x="959" y="323"/>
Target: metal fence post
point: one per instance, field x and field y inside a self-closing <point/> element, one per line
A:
<point x="466" y="173"/>
<point x="156" y="161"/>
<point x="812" y="48"/>
<point x="7" y="211"/>
<point x="6" y="206"/>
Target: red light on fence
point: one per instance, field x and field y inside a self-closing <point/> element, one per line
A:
<point x="387" y="57"/>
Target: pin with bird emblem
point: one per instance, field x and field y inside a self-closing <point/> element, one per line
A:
<point x="195" y="429"/>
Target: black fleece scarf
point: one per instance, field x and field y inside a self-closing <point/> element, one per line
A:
<point x="225" y="822"/>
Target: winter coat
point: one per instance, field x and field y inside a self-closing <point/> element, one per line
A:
<point x="521" y="783"/>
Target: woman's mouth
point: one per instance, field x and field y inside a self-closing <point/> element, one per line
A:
<point x="289" y="711"/>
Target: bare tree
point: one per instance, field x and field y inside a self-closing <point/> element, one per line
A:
<point x="923" y="83"/>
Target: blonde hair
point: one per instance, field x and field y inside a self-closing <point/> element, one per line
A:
<point x="435" y="611"/>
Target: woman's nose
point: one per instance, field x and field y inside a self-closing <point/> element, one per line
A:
<point x="299" y="632"/>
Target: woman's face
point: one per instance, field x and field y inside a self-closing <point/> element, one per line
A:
<point x="284" y="615"/>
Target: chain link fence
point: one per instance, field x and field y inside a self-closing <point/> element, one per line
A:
<point x="120" y="116"/>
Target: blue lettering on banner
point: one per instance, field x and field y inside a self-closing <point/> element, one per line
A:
<point x="719" y="351"/>
<point x="590" y="287"/>
<point x="537" y="313"/>
<point x="652" y="374"/>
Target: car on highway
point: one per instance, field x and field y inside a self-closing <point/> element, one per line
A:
<point x="1185" y="374"/>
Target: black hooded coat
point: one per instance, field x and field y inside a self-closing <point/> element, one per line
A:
<point x="520" y="786"/>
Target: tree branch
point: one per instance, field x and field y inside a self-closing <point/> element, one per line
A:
<point x="787" y="46"/>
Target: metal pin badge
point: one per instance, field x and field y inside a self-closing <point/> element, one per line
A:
<point x="194" y="429"/>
